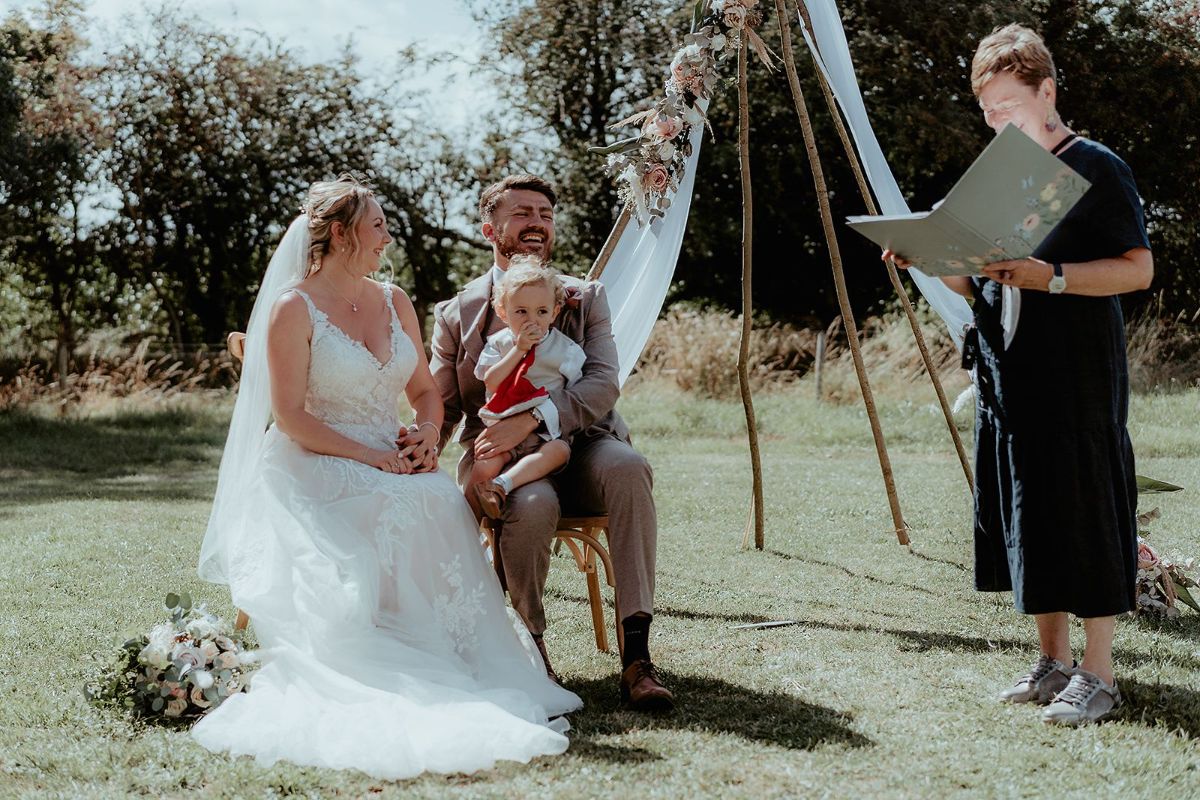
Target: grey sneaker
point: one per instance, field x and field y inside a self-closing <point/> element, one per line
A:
<point x="1048" y="677"/>
<point x="1087" y="698"/>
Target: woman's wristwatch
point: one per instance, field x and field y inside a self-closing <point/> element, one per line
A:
<point x="1058" y="284"/>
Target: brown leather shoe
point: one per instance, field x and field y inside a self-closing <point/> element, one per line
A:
<point x="642" y="689"/>
<point x="541" y="646"/>
<point x="490" y="497"/>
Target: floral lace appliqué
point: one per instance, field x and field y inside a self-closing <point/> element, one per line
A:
<point x="459" y="610"/>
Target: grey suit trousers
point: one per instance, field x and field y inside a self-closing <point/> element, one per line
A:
<point x="605" y="476"/>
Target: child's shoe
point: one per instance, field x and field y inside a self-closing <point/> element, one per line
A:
<point x="491" y="497"/>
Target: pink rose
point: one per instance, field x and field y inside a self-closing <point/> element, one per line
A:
<point x="175" y="707"/>
<point x="666" y="127"/>
<point x="226" y="661"/>
<point x="198" y="699"/>
<point x="656" y="179"/>
<point x="1031" y="222"/>
<point x="1146" y="556"/>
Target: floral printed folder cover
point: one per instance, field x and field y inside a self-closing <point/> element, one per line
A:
<point x="1001" y="208"/>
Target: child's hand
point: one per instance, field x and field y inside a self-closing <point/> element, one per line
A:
<point x="529" y="335"/>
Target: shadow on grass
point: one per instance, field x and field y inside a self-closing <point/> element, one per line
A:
<point x="665" y="611"/>
<point x="926" y="557"/>
<point x="1185" y="626"/>
<point x="708" y="705"/>
<point x="143" y="456"/>
<point x="1160" y="705"/>
<point x="852" y="574"/>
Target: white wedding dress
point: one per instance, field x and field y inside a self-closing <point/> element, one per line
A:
<point x="387" y="644"/>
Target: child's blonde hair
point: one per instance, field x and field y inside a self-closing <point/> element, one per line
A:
<point x="527" y="270"/>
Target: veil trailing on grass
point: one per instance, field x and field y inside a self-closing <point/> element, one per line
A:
<point x="252" y="411"/>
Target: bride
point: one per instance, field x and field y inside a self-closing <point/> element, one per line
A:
<point x="387" y="645"/>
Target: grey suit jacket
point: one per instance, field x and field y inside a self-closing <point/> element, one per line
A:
<point x="460" y="332"/>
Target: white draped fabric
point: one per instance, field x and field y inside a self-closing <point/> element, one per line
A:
<point x="827" y="41"/>
<point x="639" y="272"/>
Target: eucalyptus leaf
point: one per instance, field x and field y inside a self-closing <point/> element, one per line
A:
<point x="1151" y="486"/>
<point x="1183" y="594"/>
<point x="185" y="601"/>
<point x="172" y="600"/>
<point x="158" y="704"/>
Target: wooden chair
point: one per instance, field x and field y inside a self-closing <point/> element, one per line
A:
<point x="581" y="535"/>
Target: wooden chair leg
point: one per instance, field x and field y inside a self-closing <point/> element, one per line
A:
<point x="596" y="601"/>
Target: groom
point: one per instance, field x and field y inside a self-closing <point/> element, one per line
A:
<point x="605" y="474"/>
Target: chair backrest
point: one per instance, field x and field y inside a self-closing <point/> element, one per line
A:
<point x="236" y="342"/>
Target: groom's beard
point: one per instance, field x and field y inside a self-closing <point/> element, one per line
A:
<point x="510" y="246"/>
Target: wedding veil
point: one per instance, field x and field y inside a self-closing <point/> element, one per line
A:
<point x="227" y="524"/>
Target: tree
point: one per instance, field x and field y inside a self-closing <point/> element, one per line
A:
<point x="49" y="143"/>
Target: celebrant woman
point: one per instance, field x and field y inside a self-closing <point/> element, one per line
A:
<point x="1056" y="495"/>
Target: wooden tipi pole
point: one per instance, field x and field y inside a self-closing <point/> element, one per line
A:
<point x="743" y="363"/>
<point x="839" y="278"/>
<point x="893" y="275"/>
<point x="610" y="244"/>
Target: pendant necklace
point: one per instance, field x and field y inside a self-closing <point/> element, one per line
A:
<point x="353" y="303"/>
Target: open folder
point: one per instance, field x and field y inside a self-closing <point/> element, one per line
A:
<point x="1002" y="208"/>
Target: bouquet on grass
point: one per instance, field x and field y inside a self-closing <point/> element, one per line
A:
<point x="1162" y="583"/>
<point x="179" y="670"/>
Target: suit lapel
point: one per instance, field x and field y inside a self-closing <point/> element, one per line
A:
<point x="475" y="304"/>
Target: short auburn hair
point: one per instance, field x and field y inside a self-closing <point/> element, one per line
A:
<point x="1016" y="49"/>
<point x="490" y="197"/>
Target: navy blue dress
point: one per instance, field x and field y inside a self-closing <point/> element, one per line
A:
<point x="1056" y="494"/>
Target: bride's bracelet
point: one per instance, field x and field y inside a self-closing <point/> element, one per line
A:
<point x="436" y="431"/>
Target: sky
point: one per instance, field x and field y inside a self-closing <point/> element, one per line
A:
<point x="317" y="31"/>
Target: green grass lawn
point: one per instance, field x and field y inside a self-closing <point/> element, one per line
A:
<point x="882" y="686"/>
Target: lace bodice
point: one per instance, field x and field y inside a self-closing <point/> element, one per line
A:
<point x="348" y="388"/>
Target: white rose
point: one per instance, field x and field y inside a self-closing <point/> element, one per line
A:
<point x="226" y="661"/>
<point x="201" y="628"/>
<point x="735" y="17"/>
<point x="162" y="635"/>
<point x="210" y="651"/>
<point x="666" y="151"/>
<point x="202" y="678"/>
<point x="155" y="656"/>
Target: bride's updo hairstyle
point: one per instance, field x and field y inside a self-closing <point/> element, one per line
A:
<point x="343" y="200"/>
<point x="527" y="270"/>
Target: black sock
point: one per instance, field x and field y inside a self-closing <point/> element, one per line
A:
<point x="637" y="639"/>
